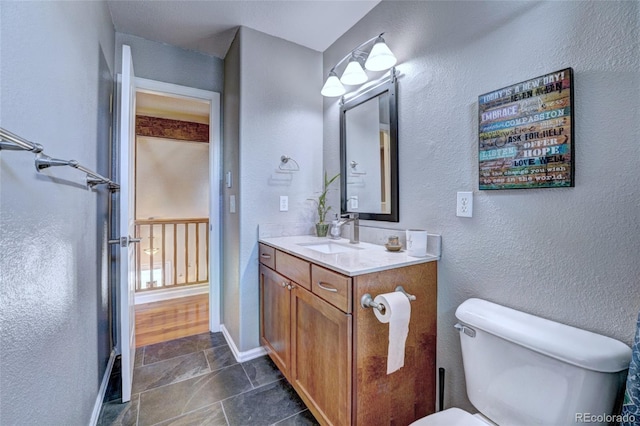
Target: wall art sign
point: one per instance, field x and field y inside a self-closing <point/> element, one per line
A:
<point x="526" y="134"/>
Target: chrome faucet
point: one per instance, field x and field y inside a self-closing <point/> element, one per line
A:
<point x="355" y="226"/>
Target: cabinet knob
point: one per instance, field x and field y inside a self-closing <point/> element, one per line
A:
<point x="265" y="255"/>
<point x="291" y="287"/>
<point x="283" y="284"/>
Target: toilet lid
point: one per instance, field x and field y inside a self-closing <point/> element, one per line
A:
<point x="450" y="417"/>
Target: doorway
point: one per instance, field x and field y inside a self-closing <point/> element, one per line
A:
<point x="177" y="211"/>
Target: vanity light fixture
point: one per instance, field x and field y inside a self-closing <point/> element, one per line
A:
<point x="354" y="74"/>
<point x="379" y="58"/>
<point x="333" y="87"/>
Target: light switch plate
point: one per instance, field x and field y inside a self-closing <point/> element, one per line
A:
<point x="232" y="203"/>
<point x="354" y="203"/>
<point x="284" y="203"/>
<point x="464" y="206"/>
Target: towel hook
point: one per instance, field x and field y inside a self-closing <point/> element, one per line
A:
<point x="284" y="160"/>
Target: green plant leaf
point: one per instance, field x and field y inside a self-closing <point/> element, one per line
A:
<point x="321" y="202"/>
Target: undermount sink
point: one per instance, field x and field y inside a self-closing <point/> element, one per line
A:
<point x="330" y="247"/>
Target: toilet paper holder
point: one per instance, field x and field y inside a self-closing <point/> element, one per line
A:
<point x="366" y="301"/>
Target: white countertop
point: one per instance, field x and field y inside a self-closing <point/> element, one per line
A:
<point x="369" y="257"/>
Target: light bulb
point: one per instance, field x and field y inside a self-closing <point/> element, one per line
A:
<point x="332" y="87"/>
<point x="381" y="58"/>
<point x="353" y="74"/>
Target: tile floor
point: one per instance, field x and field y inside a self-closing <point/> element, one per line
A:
<point x="196" y="380"/>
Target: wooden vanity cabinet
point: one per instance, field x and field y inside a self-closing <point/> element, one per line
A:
<point x="275" y="316"/>
<point x="334" y="352"/>
<point x="321" y="357"/>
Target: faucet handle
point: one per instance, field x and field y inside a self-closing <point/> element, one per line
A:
<point x="353" y="216"/>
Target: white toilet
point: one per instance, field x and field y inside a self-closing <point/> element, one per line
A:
<point x="524" y="370"/>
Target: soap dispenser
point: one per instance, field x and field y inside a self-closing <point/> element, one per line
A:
<point x="335" y="229"/>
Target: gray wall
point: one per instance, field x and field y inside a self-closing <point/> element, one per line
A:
<point x="171" y="64"/>
<point x="231" y="163"/>
<point x="279" y="113"/>
<point x="57" y="62"/>
<point x="571" y="254"/>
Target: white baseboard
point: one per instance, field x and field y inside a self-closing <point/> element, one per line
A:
<point x="241" y="356"/>
<point x="97" y="407"/>
<point x="172" y="293"/>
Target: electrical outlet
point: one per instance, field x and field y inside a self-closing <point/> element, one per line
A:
<point x="284" y="203"/>
<point x="464" y="206"/>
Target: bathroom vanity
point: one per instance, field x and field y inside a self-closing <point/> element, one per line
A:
<point x="332" y="350"/>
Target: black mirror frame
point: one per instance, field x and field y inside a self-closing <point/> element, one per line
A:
<point x="389" y="86"/>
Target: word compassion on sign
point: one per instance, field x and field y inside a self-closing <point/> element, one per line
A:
<point x="526" y="134"/>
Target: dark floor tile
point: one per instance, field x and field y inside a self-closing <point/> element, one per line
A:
<point x="220" y="357"/>
<point x="263" y="406"/>
<point x="179" y="398"/>
<point x="213" y="415"/>
<point x="301" y="419"/>
<point x="183" y="346"/>
<point x="169" y="371"/>
<point x="114" y="413"/>
<point x="261" y="371"/>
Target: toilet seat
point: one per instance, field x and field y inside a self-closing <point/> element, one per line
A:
<point x="450" y="417"/>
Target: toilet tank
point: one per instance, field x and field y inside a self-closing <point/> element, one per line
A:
<point x="525" y="370"/>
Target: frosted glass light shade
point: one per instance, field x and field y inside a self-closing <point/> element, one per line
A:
<point x="353" y="74"/>
<point x="332" y="87"/>
<point x="381" y="58"/>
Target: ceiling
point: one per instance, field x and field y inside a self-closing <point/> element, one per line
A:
<point x="210" y="26"/>
<point x="172" y="107"/>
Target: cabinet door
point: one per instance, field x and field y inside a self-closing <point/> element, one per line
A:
<point x="321" y="356"/>
<point x="275" y="321"/>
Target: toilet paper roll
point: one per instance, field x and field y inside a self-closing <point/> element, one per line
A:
<point x="397" y="312"/>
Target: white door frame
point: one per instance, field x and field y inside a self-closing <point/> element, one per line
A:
<point x="215" y="159"/>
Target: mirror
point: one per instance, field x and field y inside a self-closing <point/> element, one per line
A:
<point x="369" y="154"/>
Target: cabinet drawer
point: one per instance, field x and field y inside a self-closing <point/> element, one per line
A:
<point x="267" y="256"/>
<point x="293" y="268"/>
<point x="333" y="287"/>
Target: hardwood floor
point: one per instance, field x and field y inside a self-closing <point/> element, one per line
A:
<point x="171" y="319"/>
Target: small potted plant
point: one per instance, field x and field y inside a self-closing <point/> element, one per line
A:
<point x="321" y="204"/>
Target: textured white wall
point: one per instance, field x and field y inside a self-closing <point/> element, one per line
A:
<point x="280" y="113"/>
<point x="172" y="179"/>
<point x="56" y="67"/>
<point x="571" y="254"/>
